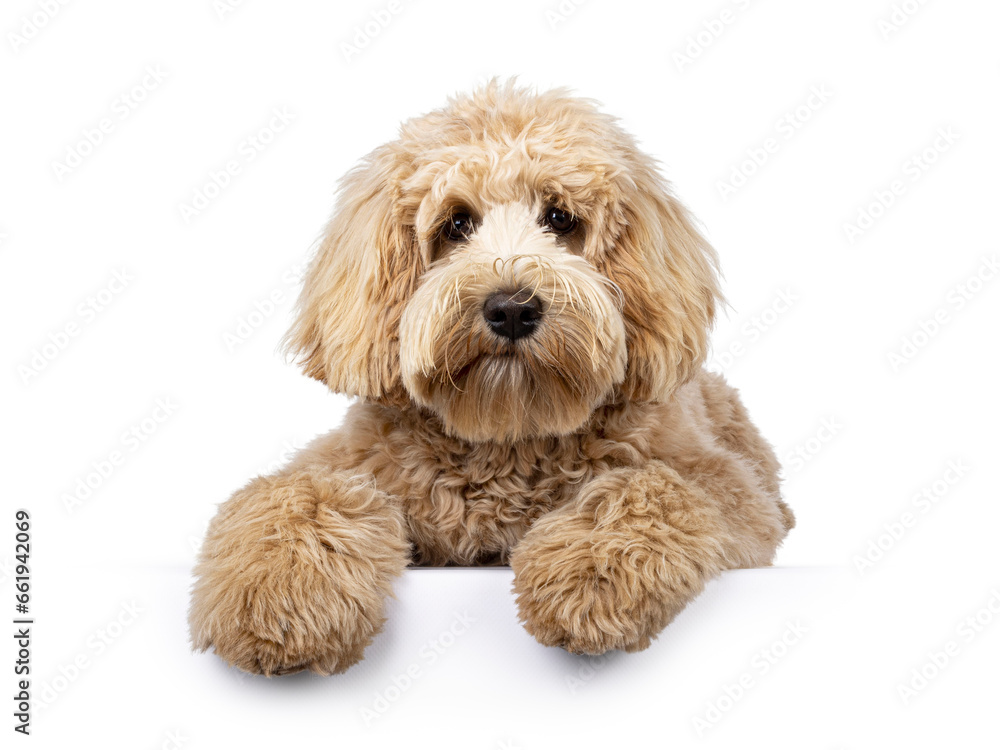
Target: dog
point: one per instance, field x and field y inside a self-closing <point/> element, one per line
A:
<point x="522" y="308"/>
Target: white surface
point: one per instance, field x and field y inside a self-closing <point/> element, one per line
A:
<point x="861" y="441"/>
<point x="481" y="680"/>
<point x="821" y="658"/>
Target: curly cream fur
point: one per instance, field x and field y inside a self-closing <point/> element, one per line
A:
<point x="596" y="456"/>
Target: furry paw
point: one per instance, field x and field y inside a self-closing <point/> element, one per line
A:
<point x="609" y="572"/>
<point x="570" y="594"/>
<point x="294" y="572"/>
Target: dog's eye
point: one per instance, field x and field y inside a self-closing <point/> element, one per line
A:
<point x="459" y="226"/>
<point x="560" y="221"/>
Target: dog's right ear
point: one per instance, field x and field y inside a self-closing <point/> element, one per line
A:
<point x="346" y="333"/>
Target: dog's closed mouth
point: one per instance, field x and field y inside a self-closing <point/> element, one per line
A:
<point x="483" y="360"/>
<point x="463" y="373"/>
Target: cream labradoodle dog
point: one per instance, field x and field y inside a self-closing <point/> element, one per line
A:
<point x="522" y="308"/>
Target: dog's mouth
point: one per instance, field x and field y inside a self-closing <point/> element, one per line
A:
<point x="502" y="357"/>
<point x="507" y="352"/>
<point x="463" y="372"/>
<point x="506" y="394"/>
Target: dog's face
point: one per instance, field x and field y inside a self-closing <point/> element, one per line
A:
<point x="511" y="263"/>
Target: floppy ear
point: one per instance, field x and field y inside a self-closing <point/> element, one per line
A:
<point x="346" y="333"/>
<point x="668" y="274"/>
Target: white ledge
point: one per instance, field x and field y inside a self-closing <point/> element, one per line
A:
<point x="453" y="668"/>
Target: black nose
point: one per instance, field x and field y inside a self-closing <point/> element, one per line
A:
<point x="512" y="316"/>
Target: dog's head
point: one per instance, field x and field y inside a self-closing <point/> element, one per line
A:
<point x="512" y="262"/>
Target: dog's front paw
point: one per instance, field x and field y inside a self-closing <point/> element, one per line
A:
<point x="574" y="593"/>
<point x="609" y="572"/>
<point x="293" y="575"/>
<point x="276" y="617"/>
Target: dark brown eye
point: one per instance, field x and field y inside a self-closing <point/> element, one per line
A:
<point x="560" y="221"/>
<point x="459" y="226"/>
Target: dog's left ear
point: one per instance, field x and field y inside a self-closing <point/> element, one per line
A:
<point x="346" y="333"/>
<point x="668" y="274"/>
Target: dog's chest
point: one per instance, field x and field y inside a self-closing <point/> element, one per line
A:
<point x="471" y="503"/>
<point x="470" y="506"/>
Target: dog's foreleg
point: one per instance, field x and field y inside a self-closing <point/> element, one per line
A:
<point x="611" y="569"/>
<point x="294" y="572"/>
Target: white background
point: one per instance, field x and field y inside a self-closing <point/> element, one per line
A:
<point x="862" y="435"/>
